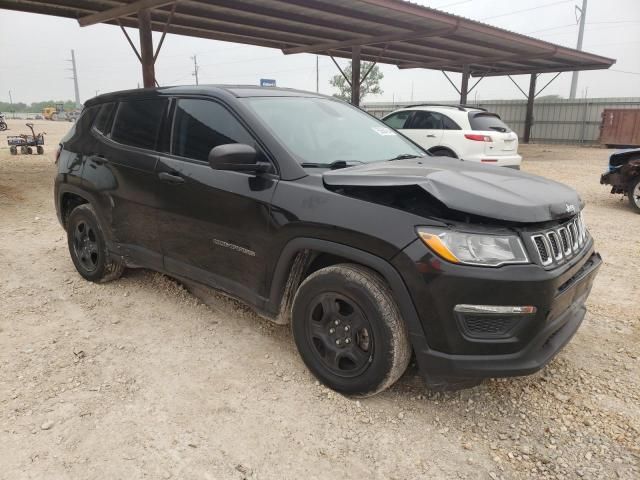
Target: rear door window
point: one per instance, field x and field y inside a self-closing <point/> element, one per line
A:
<point x="137" y="122"/>
<point x="487" y="122"/>
<point x="398" y="120"/>
<point x="426" y="121"/>
<point x="200" y="125"/>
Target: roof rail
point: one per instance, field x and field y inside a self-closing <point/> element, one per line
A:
<point x="474" y="106"/>
<point x="460" y="107"/>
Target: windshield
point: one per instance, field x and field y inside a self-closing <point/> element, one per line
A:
<point x="322" y="131"/>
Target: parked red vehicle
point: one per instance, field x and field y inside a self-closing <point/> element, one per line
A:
<point x="624" y="175"/>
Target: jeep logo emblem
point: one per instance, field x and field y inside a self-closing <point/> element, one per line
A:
<point x="570" y="208"/>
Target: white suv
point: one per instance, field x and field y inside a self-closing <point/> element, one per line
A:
<point x="458" y="131"/>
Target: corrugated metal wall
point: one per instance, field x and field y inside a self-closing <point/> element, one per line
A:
<point x="555" y="121"/>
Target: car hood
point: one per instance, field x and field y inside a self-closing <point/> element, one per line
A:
<point x="494" y="192"/>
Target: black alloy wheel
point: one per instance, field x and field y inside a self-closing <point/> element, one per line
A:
<point x="341" y="335"/>
<point x="88" y="247"/>
<point x="85" y="245"/>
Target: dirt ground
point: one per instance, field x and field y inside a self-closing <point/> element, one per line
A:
<point x="139" y="379"/>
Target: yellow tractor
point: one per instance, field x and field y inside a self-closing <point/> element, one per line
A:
<point x="54" y="113"/>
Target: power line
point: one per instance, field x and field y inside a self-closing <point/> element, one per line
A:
<point x="452" y="4"/>
<point x="527" y="9"/>
<point x="624" y="71"/>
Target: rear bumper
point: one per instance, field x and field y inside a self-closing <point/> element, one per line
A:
<point x="450" y="352"/>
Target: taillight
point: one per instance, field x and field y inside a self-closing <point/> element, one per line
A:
<point x="58" y="153"/>
<point x="478" y="138"/>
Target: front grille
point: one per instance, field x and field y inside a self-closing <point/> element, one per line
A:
<point x="560" y="243"/>
<point x="488" y="325"/>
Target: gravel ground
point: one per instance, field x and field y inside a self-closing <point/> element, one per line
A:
<point x="139" y="379"/>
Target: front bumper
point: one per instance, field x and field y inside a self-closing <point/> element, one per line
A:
<point x="450" y="351"/>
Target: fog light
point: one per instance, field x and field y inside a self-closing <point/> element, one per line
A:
<point x="495" y="309"/>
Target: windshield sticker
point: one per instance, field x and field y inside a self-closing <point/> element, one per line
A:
<point x="384" y="131"/>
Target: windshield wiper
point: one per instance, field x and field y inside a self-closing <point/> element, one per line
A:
<point x="405" y="156"/>
<point x="333" y="165"/>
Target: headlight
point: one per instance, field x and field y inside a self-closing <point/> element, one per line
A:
<point x="474" y="248"/>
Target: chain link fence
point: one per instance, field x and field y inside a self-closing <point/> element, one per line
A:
<point x="573" y="122"/>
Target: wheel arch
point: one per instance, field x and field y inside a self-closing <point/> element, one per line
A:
<point x="68" y="201"/>
<point x="302" y="256"/>
<point x="441" y="148"/>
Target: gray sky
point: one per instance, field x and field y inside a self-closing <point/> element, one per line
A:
<point x="106" y="62"/>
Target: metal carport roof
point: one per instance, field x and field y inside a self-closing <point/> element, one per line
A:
<point x="388" y="31"/>
<point x="394" y="32"/>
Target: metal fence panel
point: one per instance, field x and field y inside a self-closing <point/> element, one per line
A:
<point x="554" y="120"/>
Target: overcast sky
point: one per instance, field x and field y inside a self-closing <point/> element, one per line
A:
<point x="34" y="50"/>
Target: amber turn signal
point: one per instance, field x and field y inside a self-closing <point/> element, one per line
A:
<point x="435" y="243"/>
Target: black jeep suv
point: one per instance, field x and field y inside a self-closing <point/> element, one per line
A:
<point x="318" y="215"/>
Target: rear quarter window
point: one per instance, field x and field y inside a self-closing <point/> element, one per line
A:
<point x="487" y="122"/>
<point x="103" y="119"/>
<point x="82" y="124"/>
<point x="137" y="122"/>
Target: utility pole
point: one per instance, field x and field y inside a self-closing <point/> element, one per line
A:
<point x="195" y="68"/>
<point x="317" y="76"/>
<point x="11" y="104"/>
<point x="583" y="16"/>
<point x="75" y="77"/>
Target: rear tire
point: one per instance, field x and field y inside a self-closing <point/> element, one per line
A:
<point x="88" y="248"/>
<point x="634" y="194"/>
<point x="349" y="331"/>
<point x="40" y="150"/>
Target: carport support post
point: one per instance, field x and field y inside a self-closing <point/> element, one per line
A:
<point x="464" y="87"/>
<point x="355" y="76"/>
<point x="146" y="49"/>
<point x="528" y="120"/>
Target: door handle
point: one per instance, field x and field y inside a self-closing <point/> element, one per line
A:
<point x="431" y="136"/>
<point x="170" y="177"/>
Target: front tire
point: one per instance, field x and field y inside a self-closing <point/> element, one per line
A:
<point x="349" y="331"/>
<point x="634" y="194"/>
<point x="88" y="248"/>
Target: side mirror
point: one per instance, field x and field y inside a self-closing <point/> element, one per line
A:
<point x="236" y="157"/>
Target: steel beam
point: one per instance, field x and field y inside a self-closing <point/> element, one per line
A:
<point x="122" y="11"/>
<point x="479" y="60"/>
<point x="464" y="86"/>
<point x="146" y="49"/>
<point x="355" y="76"/>
<point x="371" y="40"/>
<point x="528" y="121"/>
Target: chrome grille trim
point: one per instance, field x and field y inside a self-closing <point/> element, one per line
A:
<point x="573" y="234"/>
<point x="558" y="244"/>
<point x="564" y="240"/>
<point x="554" y="241"/>
<point x="544" y="251"/>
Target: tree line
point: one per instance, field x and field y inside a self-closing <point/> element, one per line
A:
<point x="35" y="107"/>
